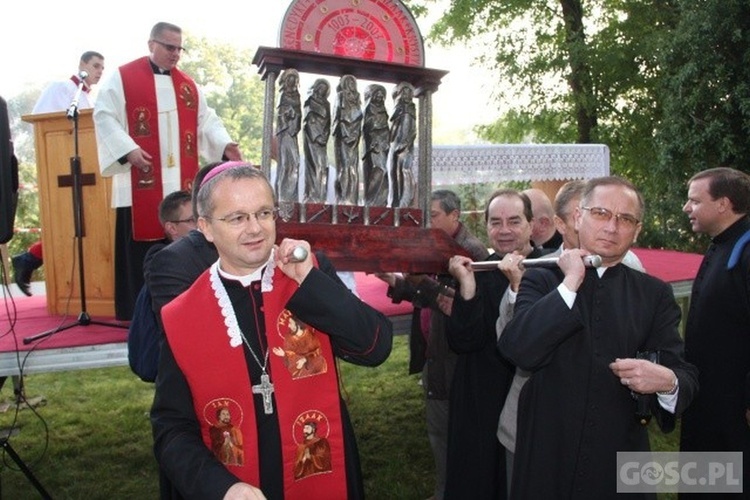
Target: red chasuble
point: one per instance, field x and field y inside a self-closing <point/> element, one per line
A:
<point x="202" y="332"/>
<point x="143" y="125"/>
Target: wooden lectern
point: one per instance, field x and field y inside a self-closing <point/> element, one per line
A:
<point x="55" y="147"/>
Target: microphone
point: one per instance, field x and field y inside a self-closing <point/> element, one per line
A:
<point x="299" y="254"/>
<point x="73" y="108"/>
<point x="588" y="261"/>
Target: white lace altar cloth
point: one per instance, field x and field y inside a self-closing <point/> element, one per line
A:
<point x="517" y="162"/>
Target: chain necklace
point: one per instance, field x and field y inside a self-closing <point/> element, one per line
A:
<point x="236" y="338"/>
<point x="255" y="356"/>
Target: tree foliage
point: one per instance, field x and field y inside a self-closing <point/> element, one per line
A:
<point x="27" y="222"/>
<point x="586" y="71"/>
<point x="705" y="94"/>
<point x="232" y="87"/>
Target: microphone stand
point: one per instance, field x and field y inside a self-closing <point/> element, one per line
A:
<point x="75" y="165"/>
<point x="73" y="108"/>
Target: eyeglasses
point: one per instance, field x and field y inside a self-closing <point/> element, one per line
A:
<point x="240" y="218"/>
<point x="169" y="46"/>
<point x="189" y="220"/>
<point x="604" y="215"/>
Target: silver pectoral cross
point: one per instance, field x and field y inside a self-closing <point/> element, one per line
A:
<point x="266" y="389"/>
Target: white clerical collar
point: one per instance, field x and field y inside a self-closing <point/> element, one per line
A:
<point x="599" y="270"/>
<point x="158" y="70"/>
<point x="246" y="279"/>
<point x="256" y="275"/>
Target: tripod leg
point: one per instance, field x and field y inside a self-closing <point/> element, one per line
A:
<point x="27" y="472"/>
<point x="18" y="390"/>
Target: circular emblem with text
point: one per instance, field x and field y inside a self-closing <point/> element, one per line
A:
<point x="382" y="30"/>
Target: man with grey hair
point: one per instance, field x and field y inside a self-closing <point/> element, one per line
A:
<point x="219" y="334"/>
<point x="567" y="200"/>
<point x="430" y="353"/>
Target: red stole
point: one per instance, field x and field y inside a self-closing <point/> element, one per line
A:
<point x="77" y="82"/>
<point x="218" y="377"/>
<point x="143" y="124"/>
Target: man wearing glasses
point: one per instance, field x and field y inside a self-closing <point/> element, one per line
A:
<point x="144" y="332"/>
<point x="152" y="126"/>
<point x="579" y="331"/>
<point x="220" y="338"/>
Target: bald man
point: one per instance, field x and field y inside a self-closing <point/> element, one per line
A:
<point x="543" y="232"/>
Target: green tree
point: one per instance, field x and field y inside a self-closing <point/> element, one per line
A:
<point x="705" y="93"/>
<point x="27" y="223"/>
<point x="22" y="133"/>
<point x="573" y="71"/>
<point x="232" y="87"/>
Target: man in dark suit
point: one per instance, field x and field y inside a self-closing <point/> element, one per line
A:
<point x="476" y="461"/>
<point x="579" y="331"/>
<point x="175" y="267"/>
<point x="717" y="333"/>
<point x="144" y="331"/>
<point x="428" y="347"/>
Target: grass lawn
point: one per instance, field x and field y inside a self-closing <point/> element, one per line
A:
<point x="92" y="438"/>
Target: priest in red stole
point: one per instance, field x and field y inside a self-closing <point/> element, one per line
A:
<point x="218" y="360"/>
<point x="152" y="127"/>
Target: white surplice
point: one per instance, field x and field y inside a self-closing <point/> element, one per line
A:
<point x="114" y="142"/>
<point x="58" y="96"/>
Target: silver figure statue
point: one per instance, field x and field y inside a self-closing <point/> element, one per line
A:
<point x="376" y="134"/>
<point x="288" y="122"/>
<point x="401" y="177"/>
<point x="317" y="130"/>
<point x="347" y="129"/>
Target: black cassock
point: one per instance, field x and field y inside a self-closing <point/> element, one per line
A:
<point x="322" y="301"/>
<point x="574" y="415"/>
<point x="476" y="460"/>
<point x="717" y="341"/>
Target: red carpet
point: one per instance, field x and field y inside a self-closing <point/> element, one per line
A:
<point x="28" y="315"/>
<point x="373" y="291"/>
